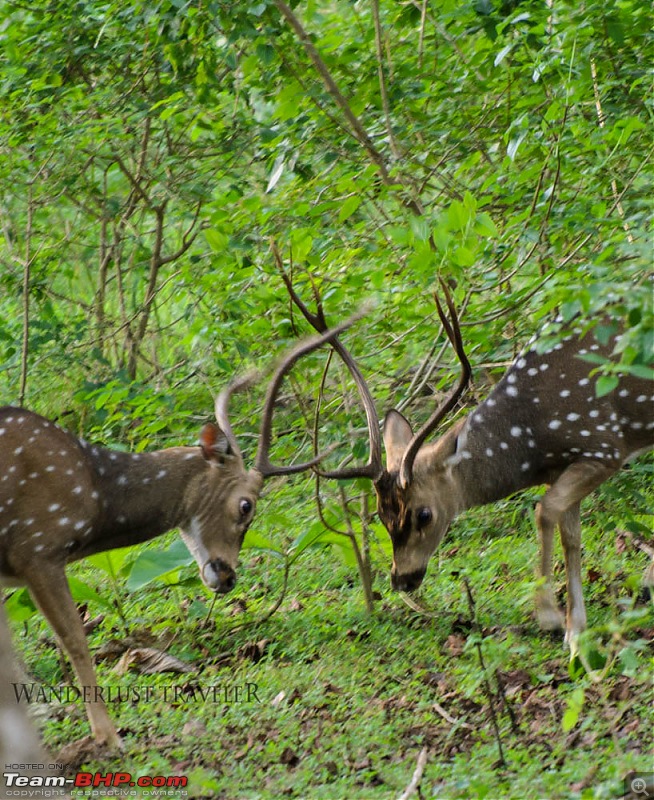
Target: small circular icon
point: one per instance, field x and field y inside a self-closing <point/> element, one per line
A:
<point x="638" y="786"/>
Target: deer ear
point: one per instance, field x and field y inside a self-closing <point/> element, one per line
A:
<point x="397" y="435"/>
<point x="214" y="443"/>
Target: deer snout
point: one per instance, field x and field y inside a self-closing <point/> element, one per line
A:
<point x="219" y="576"/>
<point x="408" y="582"/>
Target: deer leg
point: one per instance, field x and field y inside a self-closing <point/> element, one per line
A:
<point x="548" y="614"/>
<point x="51" y="593"/>
<point x="560" y="507"/>
<point x="570" y="527"/>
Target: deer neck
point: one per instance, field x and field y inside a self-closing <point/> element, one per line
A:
<point x="483" y="464"/>
<point x="139" y="495"/>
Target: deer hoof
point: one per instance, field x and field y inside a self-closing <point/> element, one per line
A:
<point x="572" y="640"/>
<point x="547" y="613"/>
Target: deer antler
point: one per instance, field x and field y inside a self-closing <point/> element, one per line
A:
<point x="373" y="468"/>
<point x="222" y="403"/>
<point x="262" y="462"/>
<point x="453" y="332"/>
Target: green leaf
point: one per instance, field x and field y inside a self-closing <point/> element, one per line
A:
<point x="256" y="541"/>
<point x="606" y="384"/>
<point x="308" y="538"/>
<point x="83" y="593"/>
<point x="349" y="207"/>
<point x="20" y="606"/>
<point x="111" y="561"/>
<point x="575" y="704"/>
<point x="484" y="225"/>
<point x="152" y="564"/>
<point x="217" y="240"/>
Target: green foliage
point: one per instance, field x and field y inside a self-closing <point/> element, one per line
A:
<point x="150" y="152"/>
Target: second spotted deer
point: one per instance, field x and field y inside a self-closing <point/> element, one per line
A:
<point x="543" y="423"/>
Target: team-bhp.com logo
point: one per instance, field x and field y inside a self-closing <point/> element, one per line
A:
<point x="89" y="782"/>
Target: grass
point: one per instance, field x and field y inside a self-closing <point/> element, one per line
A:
<point x="345" y="701"/>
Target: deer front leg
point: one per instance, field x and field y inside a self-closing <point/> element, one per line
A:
<point x="49" y="588"/>
<point x="560" y="506"/>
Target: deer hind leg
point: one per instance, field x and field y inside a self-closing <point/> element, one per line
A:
<point x="560" y="507"/>
<point x="570" y="527"/>
<point x="548" y="613"/>
<point x="49" y="589"/>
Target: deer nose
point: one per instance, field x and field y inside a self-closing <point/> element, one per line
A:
<point x="219" y="576"/>
<point x="406" y="583"/>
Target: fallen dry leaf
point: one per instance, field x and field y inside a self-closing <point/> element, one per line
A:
<point x="149" y="661"/>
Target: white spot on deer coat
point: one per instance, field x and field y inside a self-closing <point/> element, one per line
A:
<point x="54" y="506"/>
<point x="532" y="371"/>
<point x="564" y="393"/>
<point x="511" y="391"/>
<point x="585" y="433"/>
<point x="516" y="431"/>
<point x="489" y="452"/>
<point x="584" y="381"/>
<point x="572" y="416"/>
<point x="554" y="424"/>
<point x="64" y="521"/>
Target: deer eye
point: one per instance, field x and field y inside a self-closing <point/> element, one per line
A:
<point x="245" y="507"/>
<point x="423" y="517"/>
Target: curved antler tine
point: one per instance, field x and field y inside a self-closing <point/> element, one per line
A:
<point x="222" y="404"/>
<point x="374" y="467"/>
<point x="453" y="332"/>
<point x="262" y="462"/>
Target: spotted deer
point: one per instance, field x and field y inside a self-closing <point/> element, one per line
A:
<point x="543" y="423"/>
<point x="62" y="499"/>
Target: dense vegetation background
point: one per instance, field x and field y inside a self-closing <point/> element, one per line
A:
<point x="153" y="154"/>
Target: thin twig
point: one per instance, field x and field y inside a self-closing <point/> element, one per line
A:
<point x="417" y="775"/>
<point x="489" y="693"/>
<point x="449" y="718"/>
